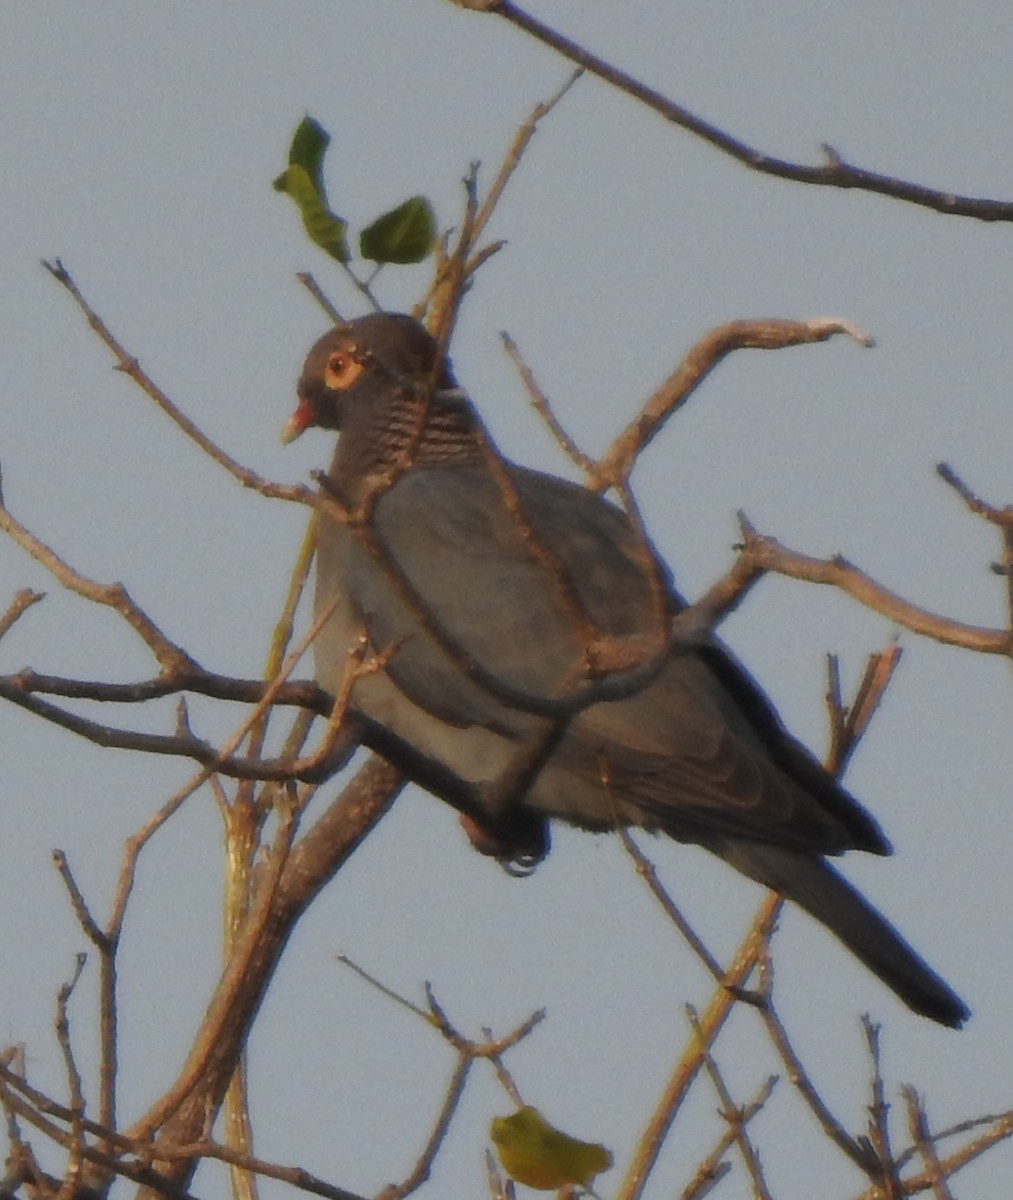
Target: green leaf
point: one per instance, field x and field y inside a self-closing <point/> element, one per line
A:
<point x="303" y="180"/>
<point x="533" y="1152"/>
<point x="309" y="143"/>
<point x="404" y="235"/>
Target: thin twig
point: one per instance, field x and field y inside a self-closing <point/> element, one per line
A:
<point x="656" y="1130"/>
<point x="106" y="942"/>
<point x="713" y="1169"/>
<point x="837" y="710"/>
<point x="734" y="1114"/>
<point x="363" y="285"/>
<point x="501" y="1187"/>
<point x="296" y="1176"/>
<point x="1001" y="516"/>
<point x="131" y="367"/>
<point x="455" y="268"/>
<point x="170" y="657"/>
<point x="649" y="873"/>
<point x="84" y="918"/>
<point x="879" y="1128"/>
<point x="848" y="724"/>
<point x="314" y="860"/>
<point x="284" y="628"/>
<point x="22" y="602"/>
<point x="314" y="289"/>
<point x="800" y="1080"/>
<point x="384" y="990"/>
<point x="16" y="1082"/>
<point x="77" y="1143"/>
<point x="502" y="1073"/>
<point x="918" y="1126"/>
<point x="205" y="1046"/>
<point x="1001" y="1131"/>
<point x="709" y="1174"/>
<point x="467" y="1051"/>
<point x="996" y="1120"/>
<point x="422" y="1169"/>
<point x="540" y="403"/>
<point x="516" y="152"/>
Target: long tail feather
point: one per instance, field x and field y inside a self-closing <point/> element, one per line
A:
<point x="814" y="885"/>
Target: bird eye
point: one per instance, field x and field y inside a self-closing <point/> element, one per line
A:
<point x="342" y="370"/>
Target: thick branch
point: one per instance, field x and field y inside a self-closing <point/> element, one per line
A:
<point x="180" y="1116"/>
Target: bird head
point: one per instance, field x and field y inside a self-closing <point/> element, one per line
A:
<point x="361" y="364"/>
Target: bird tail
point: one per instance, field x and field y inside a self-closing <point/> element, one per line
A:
<point x="816" y="886"/>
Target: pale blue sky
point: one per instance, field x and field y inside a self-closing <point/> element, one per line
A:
<point x="139" y="142"/>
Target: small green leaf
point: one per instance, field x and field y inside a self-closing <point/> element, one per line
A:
<point x="303" y="180"/>
<point x="309" y="143"/>
<point x="533" y="1152"/>
<point x="323" y="227"/>
<point x="403" y="235"/>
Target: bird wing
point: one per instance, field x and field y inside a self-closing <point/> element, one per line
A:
<point x="682" y="757"/>
<point x="481" y="621"/>
<point x="480" y="628"/>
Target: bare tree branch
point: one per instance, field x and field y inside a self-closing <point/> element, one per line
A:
<point x="76" y="1145"/>
<point x="918" y="1126"/>
<point x="422" y="1169"/>
<point x="274" y="883"/>
<point x="773" y="333"/>
<point x="887" y="1174"/>
<point x="541" y="405"/>
<point x="131" y="367"/>
<point x="833" y="172"/>
<point x="1001" y="516"/>
<point x="649" y="873"/>
<point x="848" y="723"/>
<point x="170" y="657"/>
<point x="455" y="268"/>
<point x="180" y="1115"/>
<point x="767" y="554"/>
<point x="649" y="1145"/>
<point x="735" y="1115"/>
<point x="299" y="1178"/>
<point x="799" y="1077"/>
<point x="22" y="602"/>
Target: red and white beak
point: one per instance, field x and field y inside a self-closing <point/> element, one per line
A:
<point x="298" y="422"/>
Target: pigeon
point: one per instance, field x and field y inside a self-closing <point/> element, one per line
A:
<point x="510" y="640"/>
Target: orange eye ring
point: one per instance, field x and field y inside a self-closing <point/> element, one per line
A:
<point x="341" y="371"/>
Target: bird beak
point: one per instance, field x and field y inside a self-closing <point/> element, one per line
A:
<point x="298" y="423"/>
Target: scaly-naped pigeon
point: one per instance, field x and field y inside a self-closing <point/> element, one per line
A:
<point x="513" y="648"/>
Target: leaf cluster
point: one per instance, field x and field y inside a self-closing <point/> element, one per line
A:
<point x="402" y="235"/>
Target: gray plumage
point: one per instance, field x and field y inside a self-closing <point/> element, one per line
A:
<point x="529" y="670"/>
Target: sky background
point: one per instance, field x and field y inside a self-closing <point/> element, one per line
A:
<point x="139" y="142"/>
